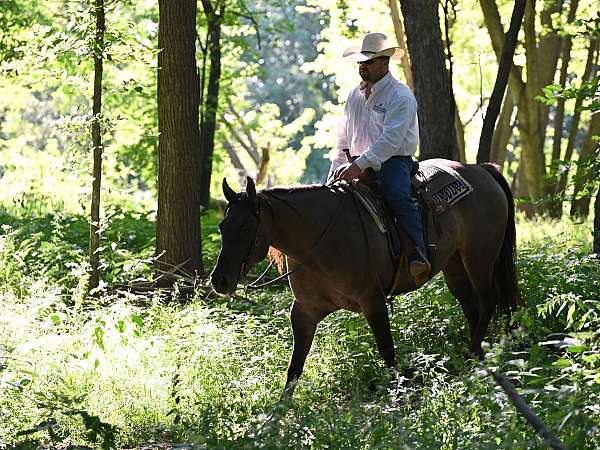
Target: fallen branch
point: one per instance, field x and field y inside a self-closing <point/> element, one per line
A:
<point x="176" y="272"/>
<point x="526" y="410"/>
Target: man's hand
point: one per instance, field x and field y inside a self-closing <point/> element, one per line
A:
<point x="350" y="173"/>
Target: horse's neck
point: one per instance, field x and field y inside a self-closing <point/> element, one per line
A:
<point x="297" y="219"/>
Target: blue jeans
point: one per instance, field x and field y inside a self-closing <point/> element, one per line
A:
<point x="395" y="184"/>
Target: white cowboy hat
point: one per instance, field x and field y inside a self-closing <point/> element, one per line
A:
<point x="374" y="45"/>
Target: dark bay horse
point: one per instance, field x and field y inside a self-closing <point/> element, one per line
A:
<point x="343" y="261"/>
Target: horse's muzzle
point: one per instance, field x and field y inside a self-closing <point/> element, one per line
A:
<point x="222" y="283"/>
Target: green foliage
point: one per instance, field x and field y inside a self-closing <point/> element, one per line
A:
<point x="39" y="247"/>
<point x="53" y="404"/>
<point x="16" y="16"/>
<point x="276" y="103"/>
<point x="54" y="247"/>
<point x="46" y="115"/>
<point x="46" y="118"/>
<point x="209" y="373"/>
<point x="127" y="370"/>
<point x="587" y="91"/>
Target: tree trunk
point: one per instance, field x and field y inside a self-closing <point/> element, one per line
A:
<point x="516" y="86"/>
<point x="209" y="123"/>
<point x="504" y="130"/>
<point x="555" y="207"/>
<point x="458" y="126"/>
<point x="264" y="165"/>
<point x="400" y="37"/>
<point x="493" y="23"/>
<point x="586" y="170"/>
<point x="532" y="116"/>
<point x="521" y="190"/>
<point x="178" y="221"/>
<point x="94" y="275"/>
<point x="531" y="153"/>
<point x="433" y="89"/>
<point x="560" y="107"/>
<point x="531" y="110"/>
<point x="550" y="45"/>
<point x="597" y="224"/>
<point x="459" y="129"/>
<point x="493" y="109"/>
<point x="561" y="186"/>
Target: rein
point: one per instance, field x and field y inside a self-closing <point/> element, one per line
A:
<point x="253" y="285"/>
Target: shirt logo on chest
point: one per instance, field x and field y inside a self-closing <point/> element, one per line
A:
<point x="379" y="108"/>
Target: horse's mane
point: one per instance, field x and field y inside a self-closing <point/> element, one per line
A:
<point x="274" y="192"/>
<point x="294" y="188"/>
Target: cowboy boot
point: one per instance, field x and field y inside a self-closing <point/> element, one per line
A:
<point x="419" y="268"/>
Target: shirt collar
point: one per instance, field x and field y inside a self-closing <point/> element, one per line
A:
<point x="382" y="83"/>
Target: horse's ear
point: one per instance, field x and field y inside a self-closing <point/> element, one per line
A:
<point x="228" y="192"/>
<point x="250" y="190"/>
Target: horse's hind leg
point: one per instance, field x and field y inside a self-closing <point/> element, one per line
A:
<point x="471" y="282"/>
<point x="481" y="274"/>
<point x="460" y="286"/>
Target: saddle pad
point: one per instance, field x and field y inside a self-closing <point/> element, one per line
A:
<point x="441" y="187"/>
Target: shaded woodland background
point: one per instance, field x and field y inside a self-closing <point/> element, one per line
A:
<point x="118" y="121"/>
<point x="256" y="89"/>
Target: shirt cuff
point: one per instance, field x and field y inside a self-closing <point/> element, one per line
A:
<point x="362" y="162"/>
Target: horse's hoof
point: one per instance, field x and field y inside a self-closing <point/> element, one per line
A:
<point x="288" y="391"/>
<point x="475" y="354"/>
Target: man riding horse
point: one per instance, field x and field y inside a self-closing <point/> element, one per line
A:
<point x="380" y="130"/>
<point x="380" y="127"/>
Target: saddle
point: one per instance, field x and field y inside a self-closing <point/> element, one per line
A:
<point x="435" y="189"/>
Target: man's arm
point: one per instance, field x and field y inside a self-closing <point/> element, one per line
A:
<point x="398" y="118"/>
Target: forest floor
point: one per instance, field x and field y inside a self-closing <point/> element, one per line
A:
<point x="127" y="371"/>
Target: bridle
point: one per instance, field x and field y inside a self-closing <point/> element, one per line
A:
<point x="244" y="268"/>
<point x="311" y="254"/>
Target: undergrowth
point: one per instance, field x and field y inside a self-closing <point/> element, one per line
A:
<point x="127" y="371"/>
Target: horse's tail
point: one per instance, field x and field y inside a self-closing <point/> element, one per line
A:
<point x="505" y="271"/>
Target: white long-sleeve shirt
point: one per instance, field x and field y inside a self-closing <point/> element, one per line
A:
<point x="378" y="127"/>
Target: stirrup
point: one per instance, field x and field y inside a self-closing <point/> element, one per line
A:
<point x="419" y="269"/>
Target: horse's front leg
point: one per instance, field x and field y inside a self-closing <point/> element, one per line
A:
<point x="375" y="310"/>
<point x="304" y="325"/>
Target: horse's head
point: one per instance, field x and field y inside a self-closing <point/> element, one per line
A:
<point x="243" y="238"/>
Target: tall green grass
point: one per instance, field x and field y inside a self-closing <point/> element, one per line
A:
<point x="127" y="370"/>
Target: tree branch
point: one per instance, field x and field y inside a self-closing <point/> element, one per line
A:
<point x="506" y="61"/>
<point x="245" y="127"/>
<point x="526" y="411"/>
<point x="401" y="38"/>
<point x="494" y="25"/>
<point x="251" y="151"/>
<point x="252" y="19"/>
<point x="235" y="160"/>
